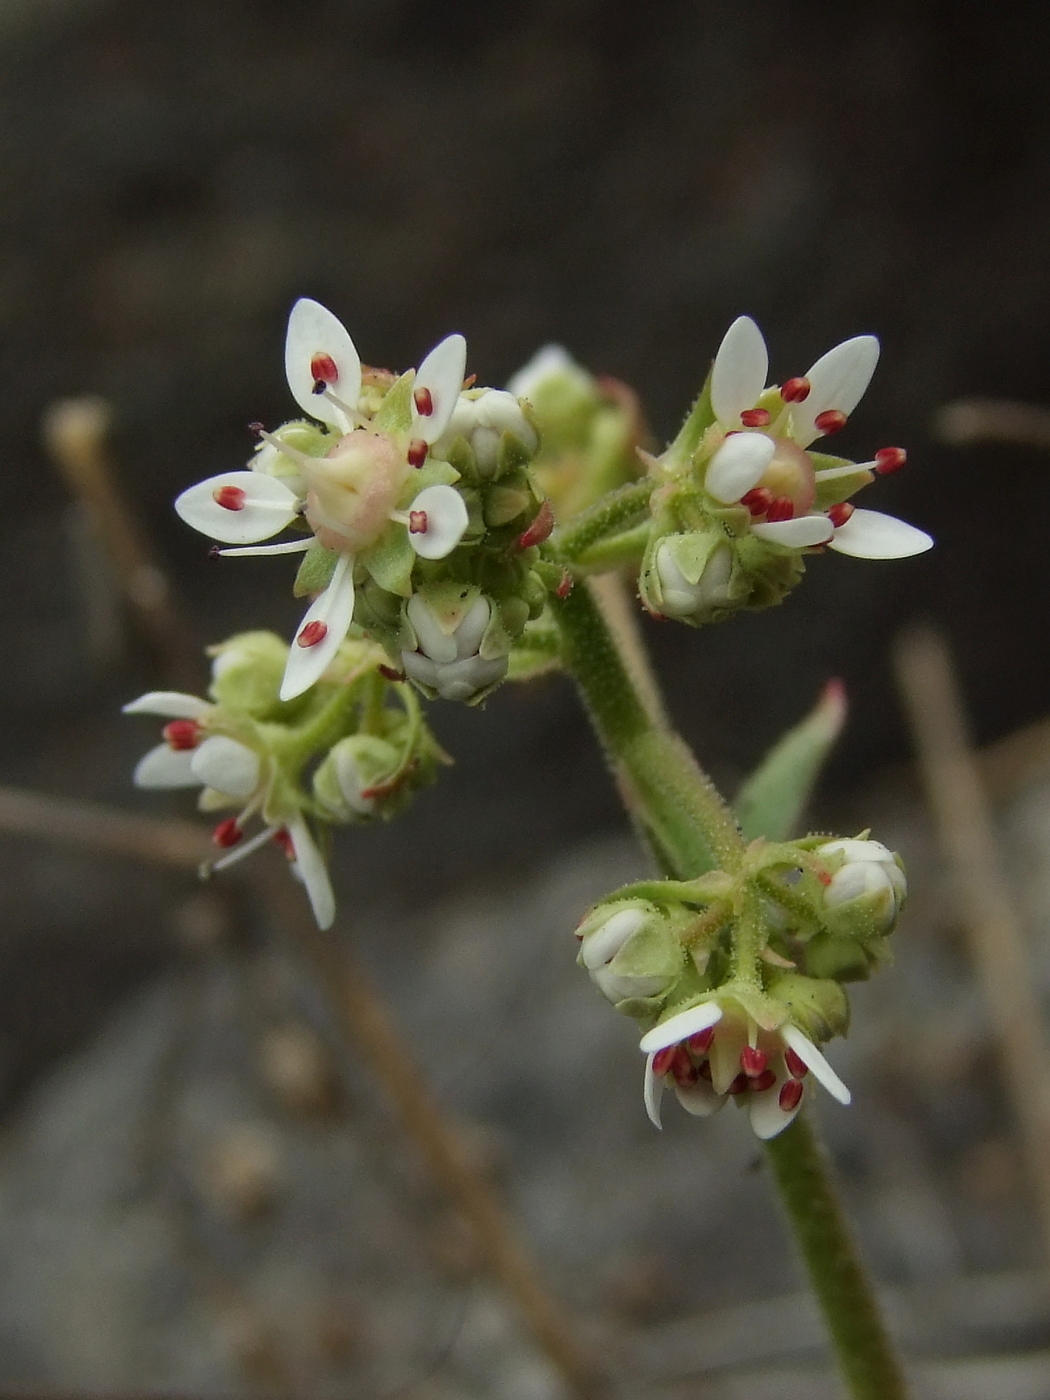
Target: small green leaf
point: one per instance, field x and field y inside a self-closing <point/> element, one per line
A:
<point x="316" y="570"/>
<point x="395" y="412"/>
<point x="771" y="801"/>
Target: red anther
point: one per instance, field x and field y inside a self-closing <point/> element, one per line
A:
<point x="227" y="833"/>
<point x="753" y="1061"/>
<point x="739" y="1084"/>
<point x="705" y="1070"/>
<point x="323" y="370"/>
<point x="423" y="400"/>
<point x="540" y="528"/>
<point x="795" y="390"/>
<point x="830" y="421"/>
<point x="215" y="552"/>
<point x="283" y="839"/>
<point x="755" y="417"/>
<point x="664" y="1059"/>
<point x="417" y="522"/>
<point x="182" y="734"/>
<point x="565" y="587"/>
<point x="257" y="428"/>
<point x="790" y="1095"/>
<point x="765" y="1080"/>
<point x="229" y="497"/>
<point x="783" y="508"/>
<point x="683" y="1069"/>
<point x="824" y="876"/>
<point x="797" y="1067"/>
<point x="312" y="633"/>
<point x="758" y="500"/>
<point x="700" y="1043"/>
<point x="839" y="514"/>
<point x="417" y="452"/>
<point x="391" y="673"/>
<point x="469" y="382"/>
<point x="890" y="459"/>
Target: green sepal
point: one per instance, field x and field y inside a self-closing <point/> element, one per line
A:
<point x="818" y="1006"/>
<point x="395" y="412"/>
<point x="690" y="435"/>
<point x="772" y="799"/>
<point x="839" y="488"/>
<point x="504" y="504"/>
<point x="390" y="561"/>
<point x="511" y="455"/>
<point x="845" y="959"/>
<point x="435" y="471"/>
<point x="316" y="570"/>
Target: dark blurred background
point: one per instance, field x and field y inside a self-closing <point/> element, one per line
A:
<point x="619" y="178"/>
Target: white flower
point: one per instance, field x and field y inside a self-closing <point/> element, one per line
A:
<point x="714" y="1051"/>
<point x="349" y="496"/>
<point x="482" y="416"/>
<point x="868" y="871"/>
<point x="448" y="660"/>
<point x="229" y="773"/>
<point x="763" y="464"/>
<point x="680" y="598"/>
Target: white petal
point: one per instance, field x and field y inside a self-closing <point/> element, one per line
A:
<point x="837" y="380"/>
<point x="313" y="872"/>
<point x="462" y="679"/>
<point x="335" y="608"/>
<point x="499" y="410"/>
<point x="699" y="1099"/>
<point x="471" y="630"/>
<point x="869" y="534"/>
<point x="603" y="943"/>
<point x="420" y="668"/>
<point x="169" y="704"/>
<point x="801" y="533"/>
<point x="815" y="1061"/>
<point x="767" y="1117"/>
<point x="738" y="375"/>
<point x="313" y="330"/>
<point x="680" y="1027"/>
<point x="738" y="465"/>
<point x="268" y="507"/>
<point x="442" y="373"/>
<point x="652" y="1092"/>
<point x="447" y="519"/>
<point x="226" y="765"/>
<point x="433" y="641"/>
<point x="163" y="767"/>
<point x="852" y="849"/>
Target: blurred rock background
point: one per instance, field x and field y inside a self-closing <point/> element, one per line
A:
<point x="586" y="171"/>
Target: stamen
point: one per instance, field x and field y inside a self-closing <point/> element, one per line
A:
<point x="762" y="1081"/>
<point x="283" y="839"/>
<point x="286" y="547"/>
<point x="839" y="514"/>
<point x="423" y="400"/>
<point x="797" y="1068"/>
<point x="783" y="508"/>
<point x="890" y="459"/>
<point x="313" y="633"/>
<point x="739" y="1084"/>
<point x="417" y="452"/>
<point x="795" y="390"/>
<point x="755" y="417"/>
<point x="700" y="1043"/>
<point x="565" y="587"/>
<point x="228" y="833"/>
<point x="758" y="500"/>
<point x="790" y="1095"/>
<point x="753" y="1061"/>
<point x="663" y="1059"/>
<point x="300" y="458"/>
<point x="324" y="370"/>
<point x="540" y="529"/>
<point x="417" y="522"/>
<point x="182" y="734"/>
<point x="705" y="1071"/>
<point x="390" y="673"/>
<point x="259" y="839"/>
<point x="257" y="428"/>
<point x="229" y="497"/>
<point x="830" y="421"/>
<point x="685" y="1072"/>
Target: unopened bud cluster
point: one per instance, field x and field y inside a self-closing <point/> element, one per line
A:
<point x="737" y="979"/>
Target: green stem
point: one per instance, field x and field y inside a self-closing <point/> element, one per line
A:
<point x="676" y="807"/>
<point x="802" y="1171"/>
<point x="615" y="513"/>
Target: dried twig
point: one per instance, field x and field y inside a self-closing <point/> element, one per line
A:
<point x="971" y="421"/>
<point x="952" y="778"/>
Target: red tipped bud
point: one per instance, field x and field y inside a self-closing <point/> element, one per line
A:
<point x="796" y="1068"/>
<point x="182" y="734"/>
<point x="758" y="500"/>
<point x="417" y="452"/>
<point x="890" y="459"/>
<point x="790" y="1095"/>
<point x="540" y="528"/>
<point x="313" y="633"/>
<point x="795" y="390"/>
<point x="783" y="508"/>
<point x="229" y="497"/>
<point x="423" y="400"/>
<point x="564" y="588"/>
<point x="755" y="417"/>
<point x="227" y="833"/>
<point x="390" y="673"/>
<point x="324" y="371"/>
<point x="830" y="421"/>
<point x="839" y="514"/>
<point x="753" y="1061"/>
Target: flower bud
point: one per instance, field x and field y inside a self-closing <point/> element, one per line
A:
<point x="482" y="417"/>
<point x="345" y="783"/>
<point x="867" y="888"/>
<point x="630" y="950"/>
<point x="447" y="661"/>
<point x="697" y="599"/>
<point x="246" y="672"/>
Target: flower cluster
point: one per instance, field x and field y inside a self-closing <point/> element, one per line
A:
<point x="741" y="496"/>
<point x="735" y="978"/>
<point x="345" y="753"/>
<point x="399" y="484"/>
